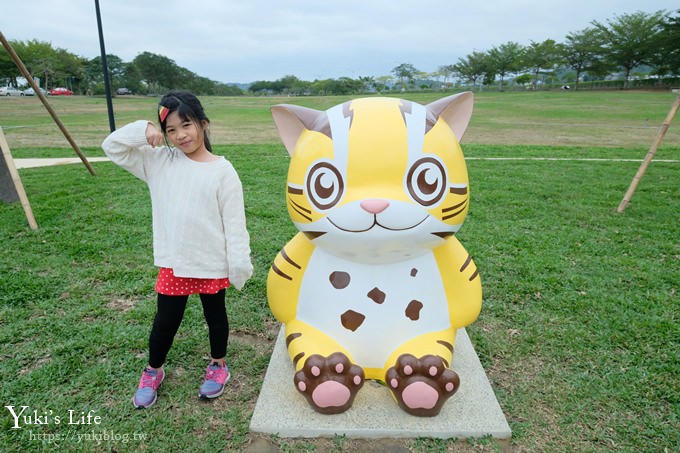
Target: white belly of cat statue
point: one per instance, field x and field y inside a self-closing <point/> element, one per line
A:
<point x="375" y="284"/>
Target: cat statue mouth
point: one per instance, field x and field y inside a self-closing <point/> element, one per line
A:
<point x="376" y="223"/>
<point x="392" y="217"/>
<point x="400" y="232"/>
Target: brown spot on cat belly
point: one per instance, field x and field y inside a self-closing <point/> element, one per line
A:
<point x="339" y="279"/>
<point x="351" y="320"/>
<point x="376" y="296"/>
<point x="414" y="272"/>
<point x="413" y="310"/>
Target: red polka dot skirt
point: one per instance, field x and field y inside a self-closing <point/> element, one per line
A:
<point x="170" y="285"/>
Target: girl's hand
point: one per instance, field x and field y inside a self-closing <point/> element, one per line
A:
<point x="154" y="137"/>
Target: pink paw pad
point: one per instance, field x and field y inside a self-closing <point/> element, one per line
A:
<point x="329" y="383"/>
<point x="421" y="386"/>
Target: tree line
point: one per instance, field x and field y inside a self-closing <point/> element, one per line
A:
<point x="625" y="47"/>
<point x="645" y="42"/>
<point x="148" y="73"/>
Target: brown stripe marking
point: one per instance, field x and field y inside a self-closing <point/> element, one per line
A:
<point x="454" y="207"/>
<point x="287" y="258"/>
<point x="300" y="207"/>
<point x="446" y="362"/>
<point x="297" y="358"/>
<point x="291" y="337"/>
<point x="295" y="191"/>
<point x="466" y="263"/>
<point x="473" y="276"/>
<point x="446" y="344"/>
<point x="453" y="215"/>
<point x="296" y="209"/>
<point x="280" y="272"/>
<point x="459" y="190"/>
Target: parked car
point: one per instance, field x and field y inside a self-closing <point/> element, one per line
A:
<point x="31" y="92"/>
<point x="10" y="91"/>
<point x="60" y="91"/>
<point x="123" y="91"/>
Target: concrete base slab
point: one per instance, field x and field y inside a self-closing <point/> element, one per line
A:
<point x="472" y="412"/>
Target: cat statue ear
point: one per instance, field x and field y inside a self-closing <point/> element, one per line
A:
<point x="293" y="120"/>
<point x="455" y="110"/>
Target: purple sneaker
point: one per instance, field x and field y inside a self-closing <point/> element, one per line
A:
<point x="146" y="393"/>
<point x="216" y="376"/>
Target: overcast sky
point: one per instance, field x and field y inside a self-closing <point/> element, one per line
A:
<point x="248" y="40"/>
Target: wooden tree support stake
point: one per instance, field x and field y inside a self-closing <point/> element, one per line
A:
<point x="7" y="156"/>
<point x="650" y="155"/>
<point x="43" y="99"/>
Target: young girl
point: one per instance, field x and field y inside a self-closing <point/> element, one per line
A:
<point x="200" y="240"/>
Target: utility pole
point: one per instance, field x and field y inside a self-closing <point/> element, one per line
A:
<point x="105" y="68"/>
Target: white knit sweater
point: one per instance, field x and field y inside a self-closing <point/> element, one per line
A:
<point x="199" y="225"/>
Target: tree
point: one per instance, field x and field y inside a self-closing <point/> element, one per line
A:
<point x="382" y="83"/>
<point x="473" y="67"/>
<point x="160" y="73"/>
<point x="290" y="84"/>
<point x="405" y="72"/>
<point x="524" y="79"/>
<point x="542" y="57"/>
<point x="630" y="40"/>
<point x="506" y="59"/>
<point x="132" y="78"/>
<point x="367" y="83"/>
<point x="447" y="72"/>
<point x="667" y="59"/>
<point x="94" y="73"/>
<point x="39" y="57"/>
<point x="70" y="69"/>
<point x="260" y="86"/>
<point x="421" y="79"/>
<point x="6" y="65"/>
<point x="582" y="52"/>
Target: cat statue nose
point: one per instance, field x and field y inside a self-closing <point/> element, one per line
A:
<point x="374" y="206"/>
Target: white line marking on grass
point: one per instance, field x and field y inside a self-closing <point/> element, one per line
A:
<point x="573" y="159"/>
<point x="609" y="126"/>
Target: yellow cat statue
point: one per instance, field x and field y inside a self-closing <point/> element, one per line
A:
<point x="375" y="284"/>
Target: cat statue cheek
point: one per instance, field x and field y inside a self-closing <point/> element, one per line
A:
<point x="375" y="285"/>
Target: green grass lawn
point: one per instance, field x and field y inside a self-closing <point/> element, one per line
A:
<point x="578" y="331"/>
<point x="602" y="119"/>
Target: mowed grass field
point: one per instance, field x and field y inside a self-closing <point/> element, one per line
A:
<point x="579" y="327"/>
<point x="562" y="118"/>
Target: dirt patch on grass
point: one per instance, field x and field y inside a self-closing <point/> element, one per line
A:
<point x="42" y="361"/>
<point x="122" y="305"/>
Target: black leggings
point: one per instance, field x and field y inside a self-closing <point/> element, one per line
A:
<point x="169" y="314"/>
